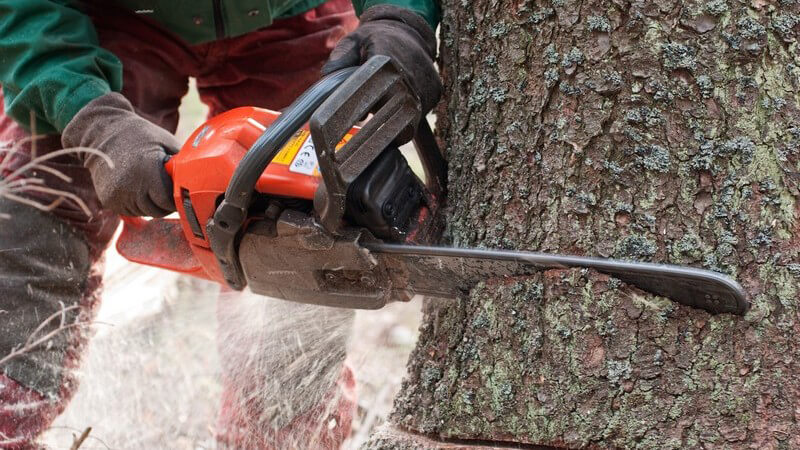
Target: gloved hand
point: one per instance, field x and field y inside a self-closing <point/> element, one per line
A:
<point x="401" y="34"/>
<point x="137" y="185"/>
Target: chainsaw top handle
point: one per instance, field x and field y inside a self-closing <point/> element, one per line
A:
<point x="231" y="213"/>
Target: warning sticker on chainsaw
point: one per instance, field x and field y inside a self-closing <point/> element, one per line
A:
<point x="287" y="153"/>
<point x="299" y="154"/>
<point x="305" y="161"/>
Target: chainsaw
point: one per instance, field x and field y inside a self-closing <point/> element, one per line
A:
<point x="306" y="206"/>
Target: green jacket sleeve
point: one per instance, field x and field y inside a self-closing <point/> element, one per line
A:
<point x="429" y="9"/>
<point x="51" y="64"/>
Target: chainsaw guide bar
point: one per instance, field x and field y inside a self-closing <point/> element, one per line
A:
<point x="433" y="269"/>
<point x="356" y="271"/>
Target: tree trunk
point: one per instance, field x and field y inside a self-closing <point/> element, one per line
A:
<point x="665" y="131"/>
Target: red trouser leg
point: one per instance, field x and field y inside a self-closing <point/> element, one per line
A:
<point x="271" y="67"/>
<point x="326" y="425"/>
<point x="50" y="261"/>
<point x="31" y="410"/>
<point x="284" y="382"/>
<point x="285" y="385"/>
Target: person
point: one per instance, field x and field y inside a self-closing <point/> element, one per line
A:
<point x="109" y="76"/>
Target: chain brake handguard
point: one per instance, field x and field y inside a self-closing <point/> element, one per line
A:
<point x="382" y="91"/>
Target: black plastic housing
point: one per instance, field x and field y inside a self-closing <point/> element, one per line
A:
<point x="385" y="196"/>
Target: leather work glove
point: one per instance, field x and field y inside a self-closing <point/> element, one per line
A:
<point x="400" y="34"/>
<point x="137" y="185"/>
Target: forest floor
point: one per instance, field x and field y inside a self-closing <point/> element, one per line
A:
<point x="150" y="379"/>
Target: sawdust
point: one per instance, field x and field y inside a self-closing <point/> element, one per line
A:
<point x="152" y="376"/>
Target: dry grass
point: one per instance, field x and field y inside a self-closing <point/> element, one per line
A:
<point x="20" y="182"/>
<point x="38" y="338"/>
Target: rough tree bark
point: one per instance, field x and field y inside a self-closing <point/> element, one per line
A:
<point x="664" y="131"/>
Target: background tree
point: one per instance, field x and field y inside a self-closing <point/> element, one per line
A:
<point x="664" y="131"/>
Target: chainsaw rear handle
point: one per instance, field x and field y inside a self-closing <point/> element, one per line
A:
<point x="158" y="242"/>
<point x="138" y="233"/>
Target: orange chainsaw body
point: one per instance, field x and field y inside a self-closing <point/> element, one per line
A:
<point x="201" y="172"/>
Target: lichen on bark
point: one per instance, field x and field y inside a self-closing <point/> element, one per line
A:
<point x="665" y="131"/>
